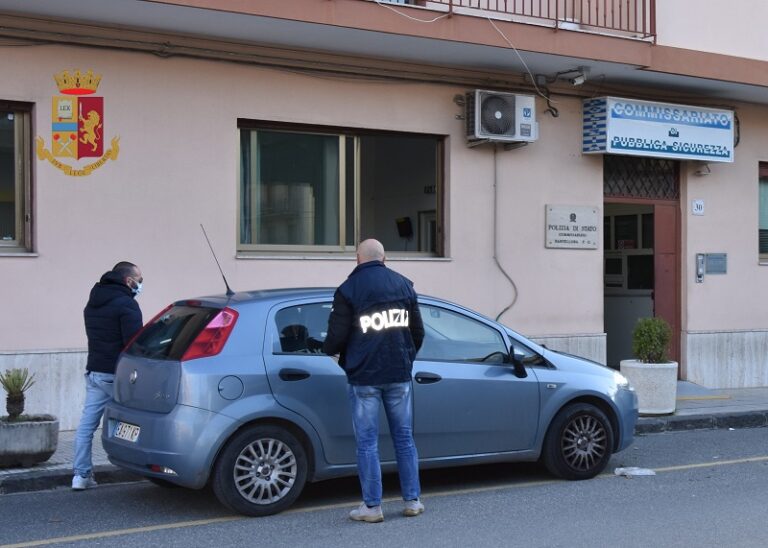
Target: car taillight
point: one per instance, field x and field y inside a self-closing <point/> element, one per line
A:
<point x="211" y="340"/>
<point x="146" y="325"/>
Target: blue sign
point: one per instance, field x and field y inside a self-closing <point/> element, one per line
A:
<point x="660" y="130"/>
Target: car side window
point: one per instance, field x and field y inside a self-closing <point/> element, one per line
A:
<point x="450" y="336"/>
<point x="301" y="329"/>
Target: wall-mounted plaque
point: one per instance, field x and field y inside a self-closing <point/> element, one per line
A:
<point x="716" y="263"/>
<point x="572" y="227"/>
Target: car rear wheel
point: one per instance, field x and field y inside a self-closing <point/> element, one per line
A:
<point x="579" y="442"/>
<point x="261" y="471"/>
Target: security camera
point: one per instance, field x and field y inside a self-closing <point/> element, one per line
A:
<point x="578" y="80"/>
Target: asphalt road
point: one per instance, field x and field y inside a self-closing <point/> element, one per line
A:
<point x="710" y="489"/>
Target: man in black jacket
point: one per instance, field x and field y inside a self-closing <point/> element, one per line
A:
<point x="112" y="318"/>
<point x="376" y="328"/>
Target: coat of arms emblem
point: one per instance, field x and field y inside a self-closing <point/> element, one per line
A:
<point x="77" y="124"/>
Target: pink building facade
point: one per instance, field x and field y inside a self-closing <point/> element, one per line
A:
<point x="291" y="130"/>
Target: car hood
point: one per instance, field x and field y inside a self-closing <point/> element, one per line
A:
<point x="564" y="361"/>
<point x="568" y="362"/>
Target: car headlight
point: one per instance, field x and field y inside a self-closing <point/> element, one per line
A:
<point x="621" y="381"/>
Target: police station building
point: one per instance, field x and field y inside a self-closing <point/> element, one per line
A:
<point x="567" y="169"/>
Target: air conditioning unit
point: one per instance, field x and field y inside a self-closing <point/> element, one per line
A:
<point x="499" y="116"/>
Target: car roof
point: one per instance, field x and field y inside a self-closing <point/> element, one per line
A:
<point x="261" y="295"/>
<point x="288" y="293"/>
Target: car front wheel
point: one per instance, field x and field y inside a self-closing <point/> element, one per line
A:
<point x="579" y="442"/>
<point x="261" y="471"/>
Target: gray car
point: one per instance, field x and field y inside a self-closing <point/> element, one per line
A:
<point x="235" y="392"/>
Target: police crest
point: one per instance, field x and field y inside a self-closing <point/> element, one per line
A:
<point x="77" y="124"/>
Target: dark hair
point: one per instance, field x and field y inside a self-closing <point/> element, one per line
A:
<point x="124" y="269"/>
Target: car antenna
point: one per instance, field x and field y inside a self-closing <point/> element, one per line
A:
<point x="229" y="291"/>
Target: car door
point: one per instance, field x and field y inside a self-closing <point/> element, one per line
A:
<point x="467" y="400"/>
<point x="308" y="382"/>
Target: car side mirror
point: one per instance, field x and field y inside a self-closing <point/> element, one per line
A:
<point x="517" y="367"/>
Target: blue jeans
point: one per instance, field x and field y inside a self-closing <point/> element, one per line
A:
<point x="365" y="402"/>
<point x="98" y="392"/>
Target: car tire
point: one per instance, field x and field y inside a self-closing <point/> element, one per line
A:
<point x="579" y="442"/>
<point x="261" y="471"/>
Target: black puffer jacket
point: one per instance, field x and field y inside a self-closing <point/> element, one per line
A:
<point x="112" y="317"/>
<point x="375" y="326"/>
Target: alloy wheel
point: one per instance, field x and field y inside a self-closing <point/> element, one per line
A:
<point x="584" y="442"/>
<point x="265" y="471"/>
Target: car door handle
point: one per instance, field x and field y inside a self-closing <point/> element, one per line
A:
<point x="427" y="378"/>
<point x="293" y="374"/>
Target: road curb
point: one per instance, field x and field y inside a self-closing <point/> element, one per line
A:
<point x="40" y="480"/>
<point x="675" y="423"/>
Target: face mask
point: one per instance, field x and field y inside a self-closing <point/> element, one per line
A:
<point x="137" y="290"/>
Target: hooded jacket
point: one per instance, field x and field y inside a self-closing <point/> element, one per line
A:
<point x="375" y="326"/>
<point x="112" y="318"/>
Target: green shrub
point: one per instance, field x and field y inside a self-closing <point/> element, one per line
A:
<point x="650" y="340"/>
<point x="16" y="381"/>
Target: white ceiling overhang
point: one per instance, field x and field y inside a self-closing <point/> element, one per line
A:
<point x="299" y="35"/>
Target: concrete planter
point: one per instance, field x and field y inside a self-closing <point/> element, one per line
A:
<point x="654" y="383"/>
<point x="29" y="442"/>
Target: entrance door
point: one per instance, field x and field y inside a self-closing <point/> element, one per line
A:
<point x="628" y="274"/>
<point x="641" y="249"/>
<point x="666" y="299"/>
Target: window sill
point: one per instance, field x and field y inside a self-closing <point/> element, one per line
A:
<point x="346" y="258"/>
<point x="9" y="253"/>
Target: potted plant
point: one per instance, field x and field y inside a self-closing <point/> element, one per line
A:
<point x="24" y="439"/>
<point x="652" y="374"/>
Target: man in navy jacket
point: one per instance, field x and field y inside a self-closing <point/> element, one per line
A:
<point x="112" y="318"/>
<point x="376" y="329"/>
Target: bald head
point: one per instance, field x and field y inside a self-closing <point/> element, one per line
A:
<point x="370" y="250"/>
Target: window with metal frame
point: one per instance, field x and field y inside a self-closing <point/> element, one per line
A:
<point x="763" y="212"/>
<point x="308" y="189"/>
<point x="15" y="176"/>
<point x="638" y="177"/>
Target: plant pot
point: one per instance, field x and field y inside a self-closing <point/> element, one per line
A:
<point x="28" y="442"/>
<point x="655" y="385"/>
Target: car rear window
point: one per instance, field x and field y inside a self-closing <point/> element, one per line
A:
<point x="169" y="335"/>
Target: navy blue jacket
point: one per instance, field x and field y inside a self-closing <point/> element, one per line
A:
<point x="112" y="318"/>
<point x="375" y="326"/>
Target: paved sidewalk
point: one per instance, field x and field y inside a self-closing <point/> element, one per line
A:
<point x="57" y="471"/>
<point x="702" y="408"/>
<point x="697" y="408"/>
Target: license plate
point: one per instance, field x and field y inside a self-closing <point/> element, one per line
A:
<point x="128" y="432"/>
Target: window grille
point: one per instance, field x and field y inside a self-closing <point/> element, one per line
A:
<point x="637" y="177"/>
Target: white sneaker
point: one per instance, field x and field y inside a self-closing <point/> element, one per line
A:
<point x="79" y="483"/>
<point x="369" y="515"/>
<point x="413" y="508"/>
